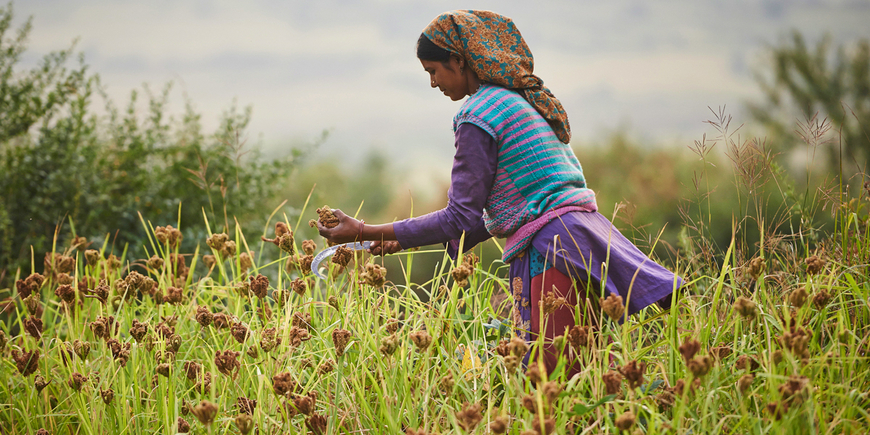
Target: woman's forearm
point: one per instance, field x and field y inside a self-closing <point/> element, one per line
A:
<point x="381" y="232"/>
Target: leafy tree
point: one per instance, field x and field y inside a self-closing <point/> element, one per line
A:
<point x="60" y="162"/>
<point x="812" y="84"/>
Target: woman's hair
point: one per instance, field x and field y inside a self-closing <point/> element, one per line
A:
<point x="427" y="50"/>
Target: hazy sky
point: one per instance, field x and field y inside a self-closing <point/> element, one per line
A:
<point x="349" y="66"/>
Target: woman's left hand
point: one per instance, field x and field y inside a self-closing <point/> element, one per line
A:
<point x="346" y="231"/>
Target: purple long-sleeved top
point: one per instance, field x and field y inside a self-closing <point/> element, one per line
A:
<point x="474" y="167"/>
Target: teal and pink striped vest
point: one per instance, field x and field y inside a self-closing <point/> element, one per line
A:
<point x="538" y="177"/>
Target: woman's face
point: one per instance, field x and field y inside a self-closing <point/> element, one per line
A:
<point x="447" y="77"/>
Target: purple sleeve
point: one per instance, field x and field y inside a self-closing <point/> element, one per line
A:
<point x="474" y="166"/>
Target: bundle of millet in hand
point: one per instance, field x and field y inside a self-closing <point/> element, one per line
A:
<point x="327" y="218"/>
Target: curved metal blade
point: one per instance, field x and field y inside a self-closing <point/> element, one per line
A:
<point x="356" y="246"/>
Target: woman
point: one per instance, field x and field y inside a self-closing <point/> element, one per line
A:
<point x="514" y="176"/>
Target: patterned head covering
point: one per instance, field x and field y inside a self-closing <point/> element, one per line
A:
<point x="494" y="49"/>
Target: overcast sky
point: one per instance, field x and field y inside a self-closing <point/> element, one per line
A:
<point x="349" y="66"/>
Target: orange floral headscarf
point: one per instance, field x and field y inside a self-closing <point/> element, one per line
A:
<point x="494" y="49"/>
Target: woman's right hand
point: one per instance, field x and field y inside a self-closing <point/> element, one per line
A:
<point x="385" y="248"/>
<point x="346" y="231"/>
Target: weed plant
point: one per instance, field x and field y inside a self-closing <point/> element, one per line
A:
<point x="239" y="337"/>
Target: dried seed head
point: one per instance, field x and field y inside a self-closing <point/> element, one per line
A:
<point x="374" y="275"/>
<point x="689" y="348"/>
<point x="66" y="293"/>
<point x="579" y="337"/>
<point x="755" y="267"/>
<point x="815" y="265"/>
<point x="209" y="260"/>
<point x="308" y="247"/>
<point x="798" y="297"/>
<point x="447" y="382"/>
<point x="461" y="273"/>
<point x="203" y="384"/>
<point x="551" y="391"/>
<point x="530" y="404"/>
<point x="82" y="348"/>
<point x="499" y="425"/>
<point x="205" y="412"/>
<point x="340" y="338"/>
<point x="107" y="395"/>
<point x="93" y="257"/>
<point x="342" y="256"/>
<point x="203" y="316"/>
<point x="166" y="327"/>
<point x="245" y="261"/>
<point x="777" y="409"/>
<point x="550" y="303"/>
<point x="174" y="295"/>
<point x="245" y="423"/>
<point x="421" y="339"/>
<point x="245" y="405"/>
<point x="302" y="320"/>
<point x="239" y="331"/>
<point x="33" y="326"/>
<point x="304" y="263"/>
<point x="138" y="330"/>
<point x="326" y="217"/>
<point x="470" y="416"/>
<point x="700" y="366"/>
<point x="217" y="241"/>
<point x="155" y="263"/>
<point x="720" y="352"/>
<point x="510" y="363"/>
<point x="113" y="263"/>
<point x="260" y="286"/>
<point x="221" y="321"/>
<point x="39" y="382"/>
<point x="613" y="306"/>
<point x="316" y="424"/>
<point x="192" y="369"/>
<point x="164" y="369"/>
<point x="821" y="299"/>
<point x="299" y="285"/>
<point x="633" y="373"/>
<point x="270" y="339"/>
<point x="534" y="373"/>
<point x="305" y="404"/>
<point x="333" y="302"/>
<point x="283" y="384"/>
<point x="745" y="362"/>
<point x="227" y="362"/>
<point x="518" y="346"/>
<point x="745" y="382"/>
<point x="797" y="342"/>
<point x="327" y="366"/>
<point x="625" y="421"/>
<point x="612" y="381"/>
<point x="389" y="344"/>
<point x="746" y="308"/>
<point x="120" y="352"/>
<point x="77" y="380"/>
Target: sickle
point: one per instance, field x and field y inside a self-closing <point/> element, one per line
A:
<point x="356" y="246"/>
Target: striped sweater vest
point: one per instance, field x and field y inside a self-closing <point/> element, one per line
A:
<point x="538" y="177"/>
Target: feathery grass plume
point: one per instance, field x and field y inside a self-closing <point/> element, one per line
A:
<point x="815" y="265"/>
<point x="205" y="412"/>
<point x="26" y="362"/>
<point x="746" y="308"/>
<point x="613" y="306"/>
<point x="612" y="381"/>
<point x="625" y="421"/>
<point x="469" y="417"/>
<point x="374" y="275"/>
<point x="340" y="338"/>
<point x="245" y="405"/>
<point x="633" y="373"/>
<point x="245" y="423"/>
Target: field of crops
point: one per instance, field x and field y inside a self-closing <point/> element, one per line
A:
<point x="222" y="341"/>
